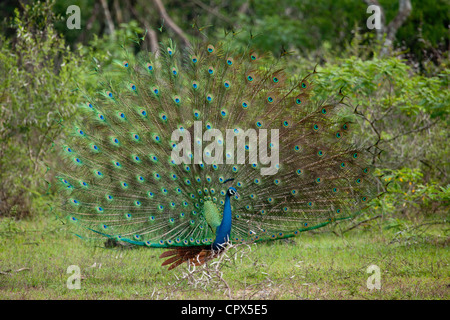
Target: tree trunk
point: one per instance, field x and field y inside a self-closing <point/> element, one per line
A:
<point x="170" y="23"/>
<point x="404" y="10"/>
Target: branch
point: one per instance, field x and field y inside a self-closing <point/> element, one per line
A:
<point x="394" y="239"/>
<point x="89" y="23"/>
<point x="372" y="124"/>
<point x="153" y="41"/>
<point x="39" y="150"/>
<point x="109" y="20"/>
<point x="119" y="14"/>
<point x="356" y="225"/>
<point x="170" y="23"/>
<point x="412" y="131"/>
<point x="213" y="11"/>
<point x="433" y="167"/>
<point x="404" y="11"/>
<point x="244" y="8"/>
<point x="151" y="34"/>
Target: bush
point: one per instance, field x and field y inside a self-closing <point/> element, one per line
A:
<point x="37" y="89"/>
<point x="406" y="116"/>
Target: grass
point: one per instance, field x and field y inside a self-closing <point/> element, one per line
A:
<point x="413" y="263"/>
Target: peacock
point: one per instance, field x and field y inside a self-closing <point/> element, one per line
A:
<point x="192" y="149"/>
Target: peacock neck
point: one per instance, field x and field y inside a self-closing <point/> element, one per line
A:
<point x="224" y="229"/>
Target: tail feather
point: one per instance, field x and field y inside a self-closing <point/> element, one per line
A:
<point x="192" y="255"/>
<point x="120" y="181"/>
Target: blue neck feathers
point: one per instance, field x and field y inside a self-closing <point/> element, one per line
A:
<point x="224" y="229"/>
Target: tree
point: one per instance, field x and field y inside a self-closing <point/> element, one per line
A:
<point x="388" y="32"/>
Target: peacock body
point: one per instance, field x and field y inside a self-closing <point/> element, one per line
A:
<point x="190" y="150"/>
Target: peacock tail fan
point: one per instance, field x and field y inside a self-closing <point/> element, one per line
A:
<point x="166" y="136"/>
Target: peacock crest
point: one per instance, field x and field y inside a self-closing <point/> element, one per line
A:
<point x="191" y="149"/>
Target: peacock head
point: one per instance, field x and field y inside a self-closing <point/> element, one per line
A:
<point x="232" y="192"/>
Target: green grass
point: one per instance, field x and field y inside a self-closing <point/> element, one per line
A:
<point x="414" y="264"/>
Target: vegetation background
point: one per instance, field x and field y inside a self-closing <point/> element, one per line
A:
<point x="398" y="77"/>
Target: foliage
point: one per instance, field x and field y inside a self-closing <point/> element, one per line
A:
<point x="406" y="116"/>
<point x="303" y="25"/>
<point x="36" y="90"/>
<point x="404" y="112"/>
<point x="408" y="192"/>
<point x="425" y="33"/>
